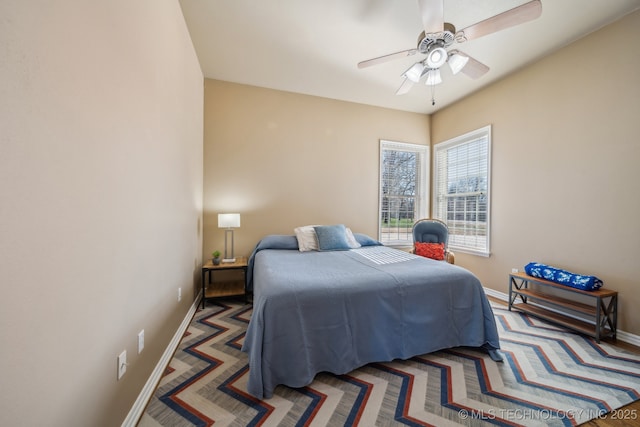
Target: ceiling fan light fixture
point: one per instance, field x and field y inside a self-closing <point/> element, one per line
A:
<point x="457" y="62"/>
<point x="433" y="77"/>
<point x="436" y="57"/>
<point x="415" y="72"/>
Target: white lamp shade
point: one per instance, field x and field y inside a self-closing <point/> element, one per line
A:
<point x="433" y="78"/>
<point x="457" y="62"/>
<point x="415" y="72"/>
<point x="436" y="57"/>
<point x="229" y="220"/>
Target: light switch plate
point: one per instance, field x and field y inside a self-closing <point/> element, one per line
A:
<point x="122" y="364"/>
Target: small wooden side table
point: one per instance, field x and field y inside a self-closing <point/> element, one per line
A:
<point x="598" y="319"/>
<point x="226" y="288"/>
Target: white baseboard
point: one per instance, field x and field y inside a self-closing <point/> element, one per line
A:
<point x="149" y="388"/>
<point x="621" y="335"/>
<point x="497" y="294"/>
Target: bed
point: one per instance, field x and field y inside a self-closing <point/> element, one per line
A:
<point x="334" y="311"/>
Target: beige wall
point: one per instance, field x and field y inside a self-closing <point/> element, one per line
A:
<point x="101" y="184"/>
<point x="284" y="160"/>
<point x="101" y="107"/>
<point x="564" y="164"/>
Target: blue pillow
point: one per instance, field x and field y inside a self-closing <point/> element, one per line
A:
<point x="332" y="237"/>
<point x="365" y="240"/>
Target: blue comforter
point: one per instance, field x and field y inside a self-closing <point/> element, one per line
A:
<point x="337" y="311"/>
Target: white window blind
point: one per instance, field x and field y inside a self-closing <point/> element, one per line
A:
<point x="403" y="190"/>
<point x="461" y="190"/>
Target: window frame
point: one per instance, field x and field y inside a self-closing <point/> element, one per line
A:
<point x="440" y="212"/>
<point x="422" y="186"/>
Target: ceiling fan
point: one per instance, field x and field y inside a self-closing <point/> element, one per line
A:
<point x="439" y="35"/>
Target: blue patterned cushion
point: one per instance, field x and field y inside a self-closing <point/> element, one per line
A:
<point x="563" y="277"/>
<point x="332" y="237"/>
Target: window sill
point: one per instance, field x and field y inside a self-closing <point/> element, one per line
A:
<point x="458" y="250"/>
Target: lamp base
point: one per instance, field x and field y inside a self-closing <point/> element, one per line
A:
<point x="228" y="260"/>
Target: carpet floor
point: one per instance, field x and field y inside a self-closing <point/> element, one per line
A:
<point x="549" y="376"/>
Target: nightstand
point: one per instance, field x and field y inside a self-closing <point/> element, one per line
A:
<point x="228" y="288"/>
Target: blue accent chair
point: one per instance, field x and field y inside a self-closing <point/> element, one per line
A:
<point x="433" y="231"/>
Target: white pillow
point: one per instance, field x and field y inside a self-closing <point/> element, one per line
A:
<point x="353" y="243"/>
<point x="307" y="240"/>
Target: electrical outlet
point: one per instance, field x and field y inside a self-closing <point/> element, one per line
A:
<point x="122" y="364"/>
<point x="140" y="341"/>
<point x="514" y="270"/>
<point x="179" y="294"/>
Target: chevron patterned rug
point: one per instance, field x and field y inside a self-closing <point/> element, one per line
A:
<point x="549" y="377"/>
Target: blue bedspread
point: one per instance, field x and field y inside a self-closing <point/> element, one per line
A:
<point x="337" y="311"/>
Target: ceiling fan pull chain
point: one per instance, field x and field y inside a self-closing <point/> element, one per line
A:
<point x="433" y="92"/>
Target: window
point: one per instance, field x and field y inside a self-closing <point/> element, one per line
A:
<point x="403" y="190"/>
<point x="461" y="190"/>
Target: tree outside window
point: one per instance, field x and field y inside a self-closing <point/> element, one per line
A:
<point x="403" y="190"/>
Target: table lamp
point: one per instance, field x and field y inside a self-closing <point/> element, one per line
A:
<point x="228" y="221"/>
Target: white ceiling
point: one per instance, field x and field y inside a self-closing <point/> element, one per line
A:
<point x="312" y="46"/>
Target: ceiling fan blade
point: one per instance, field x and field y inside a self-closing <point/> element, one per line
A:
<point x="432" y="13"/>
<point x="385" y="58"/>
<point x="404" y="87"/>
<point x="474" y="68"/>
<point x="518" y="15"/>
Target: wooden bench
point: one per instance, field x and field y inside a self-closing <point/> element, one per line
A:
<point x="593" y="313"/>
